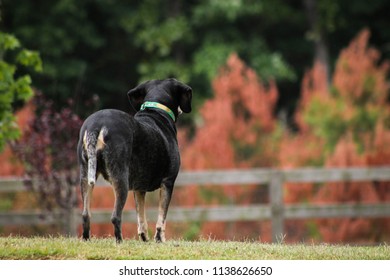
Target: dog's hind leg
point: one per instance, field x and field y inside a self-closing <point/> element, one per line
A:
<point x="121" y="190"/>
<point x="165" y="199"/>
<point x="139" y="198"/>
<point x="86" y="193"/>
<point x="91" y="144"/>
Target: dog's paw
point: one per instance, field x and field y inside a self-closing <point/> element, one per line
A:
<point x="159" y="236"/>
<point x="86" y="238"/>
<point x="86" y="235"/>
<point x="143" y="236"/>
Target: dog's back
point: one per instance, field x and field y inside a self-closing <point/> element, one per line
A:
<point x="113" y="143"/>
<point x="155" y="154"/>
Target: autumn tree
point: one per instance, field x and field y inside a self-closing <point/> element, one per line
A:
<point x="340" y="124"/>
<point x="360" y="96"/>
<point x="236" y="123"/>
<point x="237" y="130"/>
<point x="47" y="150"/>
<point x="344" y="125"/>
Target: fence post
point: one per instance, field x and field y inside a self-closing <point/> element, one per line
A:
<point x="277" y="208"/>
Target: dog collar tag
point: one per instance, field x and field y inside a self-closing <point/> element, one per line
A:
<point x="150" y="104"/>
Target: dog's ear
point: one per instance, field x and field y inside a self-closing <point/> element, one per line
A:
<point x="185" y="98"/>
<point x="137" y="95"/>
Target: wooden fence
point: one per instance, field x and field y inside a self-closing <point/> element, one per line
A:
<point x="276" y="210"/>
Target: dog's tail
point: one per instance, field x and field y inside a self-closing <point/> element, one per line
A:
<point x="93" y="142"/>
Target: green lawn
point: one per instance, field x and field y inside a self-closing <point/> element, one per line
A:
<point x="73" y="248"/>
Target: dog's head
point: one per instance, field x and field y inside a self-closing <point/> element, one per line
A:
<point x="170" y="93"/>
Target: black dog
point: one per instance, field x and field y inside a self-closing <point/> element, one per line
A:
<point x="137" y="153"/>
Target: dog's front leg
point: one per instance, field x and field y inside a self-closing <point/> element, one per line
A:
<point x="139" y="198"/>
<point x="165" y="199"/>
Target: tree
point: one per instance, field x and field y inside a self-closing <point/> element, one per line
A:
<point x="14" y="87"/>
<point x="47" y="150"/>
<point x="106" y="47"/>
<point x="361" y="94"/>
<point x="341" y="124"/>
<point x="238" y="130"/>
<point x="344" y="125"/>
<point x="357" y="101"/>
<point x="193" y="41"/>
<point x="235" y="123"/>
<point x="84" y="50"/>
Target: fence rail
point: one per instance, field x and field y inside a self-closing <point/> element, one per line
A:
<point x="276" y="210"/>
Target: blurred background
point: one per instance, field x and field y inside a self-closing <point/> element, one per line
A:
<point x="276" y="84"/>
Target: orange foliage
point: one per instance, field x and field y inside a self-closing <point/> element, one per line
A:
<point x="335" y="130"/>
<point x="360" y="89"/>
<point x="358" y="77"/>
<point x="314" y="83"/>
<point x="303" y="148"/>
<point x="236" y="132"/>
<point x="233" y="121"/>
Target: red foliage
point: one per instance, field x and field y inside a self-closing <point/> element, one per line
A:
<point x="233" y="122"/>
<point x="358" y="77"/>
<point x="359" y="84"/>
<point x="237" y="131"/>
<point x="303" y="148"/>
<point x="47" y="150"/>
<point x="314" y="83"/>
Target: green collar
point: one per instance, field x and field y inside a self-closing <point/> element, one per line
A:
<point x="149" y="104"/>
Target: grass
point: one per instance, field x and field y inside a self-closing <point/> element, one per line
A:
<point x="105" y="248"/>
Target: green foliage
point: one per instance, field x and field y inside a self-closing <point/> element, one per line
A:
<point x="236" y="26"/>
<point x="30" y="58"/>
<point x="327" y="120"/>
<point x="13" y="86"/>
<point x="210" y="57"/>
<point x="193" y="231"/>
<point x="102" y="48"/>
<point x="6" y="201"/>
<point x="8" y="42"/>
<point x="105" y="47"/>
<point x="330" y="122"/>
